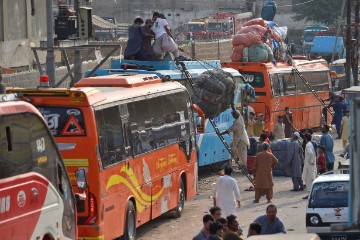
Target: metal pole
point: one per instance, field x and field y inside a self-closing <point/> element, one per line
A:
<point x="50" y="57"/>
<point x="356" y="37"/>
<point x="218" y="40"/>
<point x="348" y="44"/>
<point x="77" y="55"/>
<point x="338" y="30"/>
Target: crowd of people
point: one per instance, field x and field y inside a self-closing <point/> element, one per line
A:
<point x="307" y="159"/>
<point x="217" y="225"/>
<point x="151" y="41"/>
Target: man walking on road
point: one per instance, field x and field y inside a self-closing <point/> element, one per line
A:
<point x="345" y="129"/>
<point x="309" y="170"/>
<point x="262" y="168"/>
<point x="270" y="223"/>
<point x="327" y="142"/>
<point x="227" y="193"/>
<point x="295" y="160"/>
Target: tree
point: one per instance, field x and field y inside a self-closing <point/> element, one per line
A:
<point x="321" y="11"/>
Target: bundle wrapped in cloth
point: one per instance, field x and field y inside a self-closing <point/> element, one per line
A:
<point x="214" y="92"/>
<point x="255" y="38"/>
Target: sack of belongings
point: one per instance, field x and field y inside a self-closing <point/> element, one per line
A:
<point x="214" y="92"/>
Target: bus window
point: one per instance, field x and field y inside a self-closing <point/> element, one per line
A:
<point x="279" y="84"/>
<point x="140" y="120"/>
<point x="111" y="141"/>
<point x="64" y="120"/>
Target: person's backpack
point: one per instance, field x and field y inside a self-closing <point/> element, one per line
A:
<point x="315" y="147"/>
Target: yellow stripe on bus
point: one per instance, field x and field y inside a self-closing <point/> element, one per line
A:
<point x="76" y="162"/>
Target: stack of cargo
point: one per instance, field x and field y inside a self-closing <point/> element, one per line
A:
<point x="257" y="41"/>
<point x="214" y="92"/>
<point x="280" y="149"/>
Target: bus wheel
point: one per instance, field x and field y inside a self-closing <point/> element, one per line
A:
<point x="181" y="201"/>
<point x="130" y="224"/>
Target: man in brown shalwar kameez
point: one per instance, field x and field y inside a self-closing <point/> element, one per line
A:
<point x="262" y="168"/>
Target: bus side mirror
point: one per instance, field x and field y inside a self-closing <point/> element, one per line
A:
<point x="81" y="179"/>
<point x="200" y="119"/>
<point x="200" y="124"/>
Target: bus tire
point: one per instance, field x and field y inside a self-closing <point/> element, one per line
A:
<point x="181" y="201"/>
<point x="130" y="223"/>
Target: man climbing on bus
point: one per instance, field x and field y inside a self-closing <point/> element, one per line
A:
<point x="240" y="141"/>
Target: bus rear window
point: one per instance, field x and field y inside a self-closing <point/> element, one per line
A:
<point x="329" y="195"/>
<point x="26" y="146"/>
<point x="255" y="79"/>
<point x="63" y="121"/>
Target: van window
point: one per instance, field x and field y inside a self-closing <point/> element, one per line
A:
<point x="329" y="195"/>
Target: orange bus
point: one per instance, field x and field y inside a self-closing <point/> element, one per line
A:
<point x="135" y="137"/>
<point x="277" y="87"/>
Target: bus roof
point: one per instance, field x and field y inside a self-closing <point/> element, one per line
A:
<point x="100" y="94"/>
<point x="353" y="89"/>
<point x="119" y="80"/>
<point x="166" y="65"/>
<point x="319" y="64"/>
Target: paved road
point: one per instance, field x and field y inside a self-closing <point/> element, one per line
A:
<point x="291" y="208"/>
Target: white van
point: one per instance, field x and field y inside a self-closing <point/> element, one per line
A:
<point x="328" y="204"/>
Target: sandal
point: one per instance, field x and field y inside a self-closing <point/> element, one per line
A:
<point x="251" y="188"/>
<point x="256" y="201"/>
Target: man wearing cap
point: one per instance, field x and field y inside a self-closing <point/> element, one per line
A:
<point x="227" y="193"/>
<point x="240" y="141"/>
<point x="295" y="158"/>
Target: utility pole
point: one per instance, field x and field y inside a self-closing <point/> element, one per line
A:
<point x="218" y="40"/>
<point x="340" y="19"/>
<point x="77" y="55"/>
<point x="356" y="47"/>
<point x="50" y="57"/>
<point x="348" y="44"/>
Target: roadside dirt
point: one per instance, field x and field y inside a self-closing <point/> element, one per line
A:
<point x="291" y="207"/>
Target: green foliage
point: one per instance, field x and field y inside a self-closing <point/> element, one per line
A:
<point x="321" y="11"/>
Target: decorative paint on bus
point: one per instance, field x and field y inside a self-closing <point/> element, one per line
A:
<point x="211" y="151"/>
<point x="128" y="129"/>
<point x="277" y="87"/>
<point x="36" y="198"/>
<point x="142" y="199"/>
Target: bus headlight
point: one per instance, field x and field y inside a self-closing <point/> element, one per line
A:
<point x="314" y="220"/>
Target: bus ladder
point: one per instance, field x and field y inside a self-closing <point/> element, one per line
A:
<point x="242" y="167"/>
<point x="312" y="90"/>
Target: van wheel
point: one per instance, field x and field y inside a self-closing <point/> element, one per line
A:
<point x="181" y="201"/>
<point x="130" y="223"/>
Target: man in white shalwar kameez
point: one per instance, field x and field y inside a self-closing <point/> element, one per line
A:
<point x="240" y="141"/>
<point x="309" y="171"/>
<point x="226" y="193"/>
